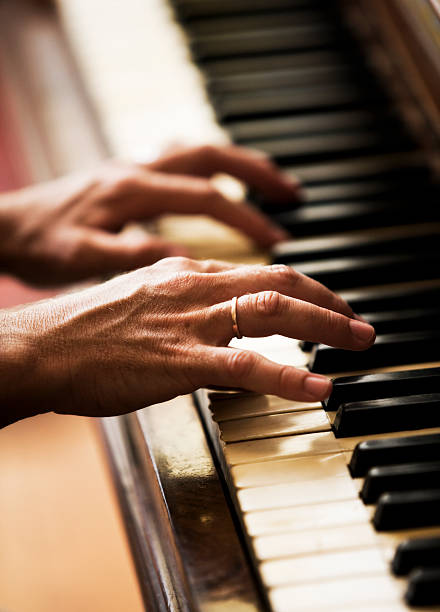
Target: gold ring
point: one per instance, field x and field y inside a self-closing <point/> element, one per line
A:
<point x="234" y="318"/>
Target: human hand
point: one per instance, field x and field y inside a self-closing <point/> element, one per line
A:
<point x="70" y="229"/>
<point x="162" y="331"/>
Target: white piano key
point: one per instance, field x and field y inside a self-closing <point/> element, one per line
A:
<point x="314" y="541"/>
<point x="278" y="448"/>
<point x="307" y="421"/>
<point x="311" y="568"/>
<point x="334" y="594"/>
<point x="301" y="518"/>
<point x="256" y="405"/>
<point x="289" y="470"/>
<point x="297" y="494"/>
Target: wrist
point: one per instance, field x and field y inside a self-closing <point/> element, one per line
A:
<point x="23" y="376"/>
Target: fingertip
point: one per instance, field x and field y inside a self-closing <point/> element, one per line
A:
<point x="364" y="333"/>
<point x="277" y="234"/>
<point x="318" y="387"/>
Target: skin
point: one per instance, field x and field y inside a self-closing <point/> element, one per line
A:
<point x="162" y="330"/>
<point x="70" y="229"/>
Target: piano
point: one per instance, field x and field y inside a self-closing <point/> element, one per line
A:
<point x="240" y="502"/>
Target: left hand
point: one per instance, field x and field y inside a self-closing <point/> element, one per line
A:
<point x="70" y="229"/>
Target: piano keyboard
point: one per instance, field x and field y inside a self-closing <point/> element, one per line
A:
<point x="319" y="534"/>
<point x="322" y="518"/>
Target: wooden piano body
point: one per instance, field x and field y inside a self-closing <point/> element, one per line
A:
<point x="175" y="471"/>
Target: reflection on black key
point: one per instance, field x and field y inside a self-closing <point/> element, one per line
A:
<point x="424" y="587"/>
<point x="388" y="350"/>
<point x="405" y="477"/>
<point x="279" y="77"/>
<point x="389" y="298"/>
<point x="195" y="9"/>
<point x="289" y="99"/>
<point x="389" y="414"/>
<point x="386" y="384"/>
<point x="418" y="552"/>
<point x="395" y="165"/>
<point x="321" y="146"/>
<point x="345" y="216"/>
<point x="407" y="510"/>
<point x="290" y="37"/>
<point x="404" y="320"/>
<point x="269" y="127"/>
<point x="418" y="237"/>
<point x="345" y="272"/>
<point x="389" y="451"/>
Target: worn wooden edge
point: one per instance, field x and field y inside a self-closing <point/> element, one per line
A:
<point x="185" y="545"/>
<point x="145" y="517"/>
<point x="217" y="446"/>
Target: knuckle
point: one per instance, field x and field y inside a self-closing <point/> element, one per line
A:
<point x="239" y="365"/>
<point x="268" y="303"/>
<point x="284" y="380"/>
<point x="180" y="262"/>
<point x="124" y="179"/>
<point x="286" y="274"/>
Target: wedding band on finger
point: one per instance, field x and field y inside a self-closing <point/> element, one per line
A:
<point x="235" y="327"/>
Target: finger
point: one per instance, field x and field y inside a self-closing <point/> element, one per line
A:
<point x="190" y="195"/>
<point x="269" y="312"/>
<point x="252" y="167"/>
<point x="230" y="367"/>
<point x="281" y="278"/>
<point x="102" y="252"/>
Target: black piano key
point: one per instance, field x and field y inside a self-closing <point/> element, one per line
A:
<point x="326" y="146"/>
<point x="424" y="587"/>
<point x="404" y="477"/>
<point x="391" y="451"/>
<point x="253" y="21"/>
<point x="387" y="414"/>
<point x="293" y="99"/>
<point x="417" y="552"/>
<point x="406" y="165"/>
<point x="407" y="510"/>
<point x="389" y="298"/>
<point x="388" y="350"/>
<point x="279" y="77"/>
<point x="263" y="40"/>
<point x="236" y="66"/>
<point x="347" y="216"/>
<point x="270" y="127"/>
<point x="372" y="189"/>
<point x="395" y="321"/>
<point x="363" y="271"/>
<point x="194" y="9"/>
<point x="417" y="238"/>
<point x="404" y="320"/>
<point x="385" y="384"/>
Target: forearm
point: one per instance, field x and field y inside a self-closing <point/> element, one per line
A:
<point x="22" y="376"/>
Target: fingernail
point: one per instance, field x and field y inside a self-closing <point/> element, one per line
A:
<point x="317" y="386"/>
<point x="362" y="331"/>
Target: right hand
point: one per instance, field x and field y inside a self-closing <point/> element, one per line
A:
<point x="163" y="331"/>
